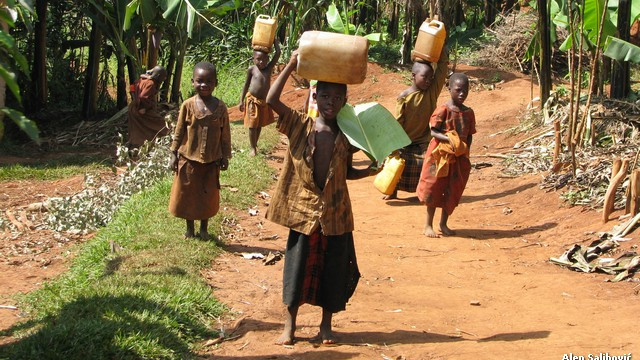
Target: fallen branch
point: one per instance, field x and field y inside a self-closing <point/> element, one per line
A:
<point x="609" y="198"/>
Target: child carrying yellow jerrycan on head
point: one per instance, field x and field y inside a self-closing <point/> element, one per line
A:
<point x="312" y="200"/>
<point x="253" y="104"/>
<point x="201" y="147"/>
<point x="447" y="166"/>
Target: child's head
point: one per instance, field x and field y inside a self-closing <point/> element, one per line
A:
<point x="204" y="78"/>
<point x="458" y="88"/>
<point x="157" y="74"/>
<point x="260" y="59"/>
<point x="330" y="98"/>
<point x="422" y="74"/>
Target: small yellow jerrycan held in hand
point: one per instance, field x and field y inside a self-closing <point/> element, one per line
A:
<point x="388" y="178"/>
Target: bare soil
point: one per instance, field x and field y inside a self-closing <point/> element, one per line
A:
<point x="487" y="293"/>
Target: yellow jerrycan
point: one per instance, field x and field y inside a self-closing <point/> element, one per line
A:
<point x="388" y="178"/>
<point x="333" y="57"/>
<point x="264" y="32"/>
<point x="430" y="40"/>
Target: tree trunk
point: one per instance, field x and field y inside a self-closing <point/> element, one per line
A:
<point x="177" y="76"/>
<point x="544" y="24"/>
<point x="508" y="7"/>
<point x="490" y="12"/>
<point x="392" y="27"/>
<point x="164" y="91"/>
<point x="90" y="97"/>
<point x="407" y="35"/>
<point x="121" y="81"/>
<point x="132" y="63"/>
<point x="458" y="14"/>
<point x="39" y="70"/>
<point x="3" y="85"/>
<point x="620" y="76"/>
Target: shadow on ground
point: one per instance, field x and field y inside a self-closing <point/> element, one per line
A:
<point x="106" y="327"/>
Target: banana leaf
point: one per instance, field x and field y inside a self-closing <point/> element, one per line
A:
<point x="373" y="129"/>
<point x="622" y="51"/>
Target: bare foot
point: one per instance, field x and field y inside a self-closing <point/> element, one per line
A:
<point x="253" y="152"/>
<point x="391" y="196"/>
<point x="189" y="234"/>
<point x="203" y="235"/>
<point x="327" y="336"/>
<point x="285" y="339"/>
<point x="446" y="231"/>
<point x="428" y="230"/>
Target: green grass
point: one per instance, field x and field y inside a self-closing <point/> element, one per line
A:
<point x="56" y="168"/>
<point x="148" y="300"/>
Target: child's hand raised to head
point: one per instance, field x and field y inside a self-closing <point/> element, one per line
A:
<point x="294" y="58"/>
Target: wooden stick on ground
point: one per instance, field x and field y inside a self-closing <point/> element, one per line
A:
<point x="556" y="149"/>
<point x="610" y="196"/>
<point x="634" y="185"/>
<point x="615" y="168"/>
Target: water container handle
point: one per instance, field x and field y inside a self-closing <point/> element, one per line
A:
<point x="436" y="24"/>
<point x="264" y="17"/>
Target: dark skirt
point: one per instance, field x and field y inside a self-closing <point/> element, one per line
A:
<point x="319" y="270"/>
<point x="413" y="156"/>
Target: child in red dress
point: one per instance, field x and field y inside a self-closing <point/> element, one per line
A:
<point x="444" y="177"/>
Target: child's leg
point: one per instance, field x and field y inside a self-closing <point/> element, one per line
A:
<point x="204" y="231"/>
<point x="326" y="334"/>
<point x="428" y="226"/>
<point x="443" y="224"/>
<point x="190" y="229"/>
<point x="287" y="336"/>
<point x="253" y="140"/>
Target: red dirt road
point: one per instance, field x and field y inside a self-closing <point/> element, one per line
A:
<point x="418" y="297"/>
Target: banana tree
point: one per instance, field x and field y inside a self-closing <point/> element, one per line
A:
<point x="339" y="22"/>
<point x="12" y="62"/>
<point x="182" y="19"/>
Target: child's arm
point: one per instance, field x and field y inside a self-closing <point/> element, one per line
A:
<point x="225" y="140"/>
<point x="273" y="97"/>
<point x="245" y="89"/>
<point x="469" y="141"/>
<point x="437" y="134"/>
<point x="178" y="134"/>
<point x="276" y="55"/>
<point x="355" y="174"/>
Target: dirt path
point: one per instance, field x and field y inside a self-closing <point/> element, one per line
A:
<point x="414" y="300"/>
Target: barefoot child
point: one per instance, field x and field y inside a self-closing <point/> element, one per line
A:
<point x="414" y="107"/>
<point x="256" y="111"/>
<point x="312" y="200"/>
<point x="145" y="122"/>
<point x="444" y="177"/>
<point x="201" y="147"/>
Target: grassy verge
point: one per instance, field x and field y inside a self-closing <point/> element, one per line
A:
<point x="146" y="299"/>
<point x="59" y="168"/>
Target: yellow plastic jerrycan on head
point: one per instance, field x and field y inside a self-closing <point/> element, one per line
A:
<point x="431" y="39"/>
<point x="388" y="178"/>
<point x="333" y="57"/>
<point x="264" y="32"/>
